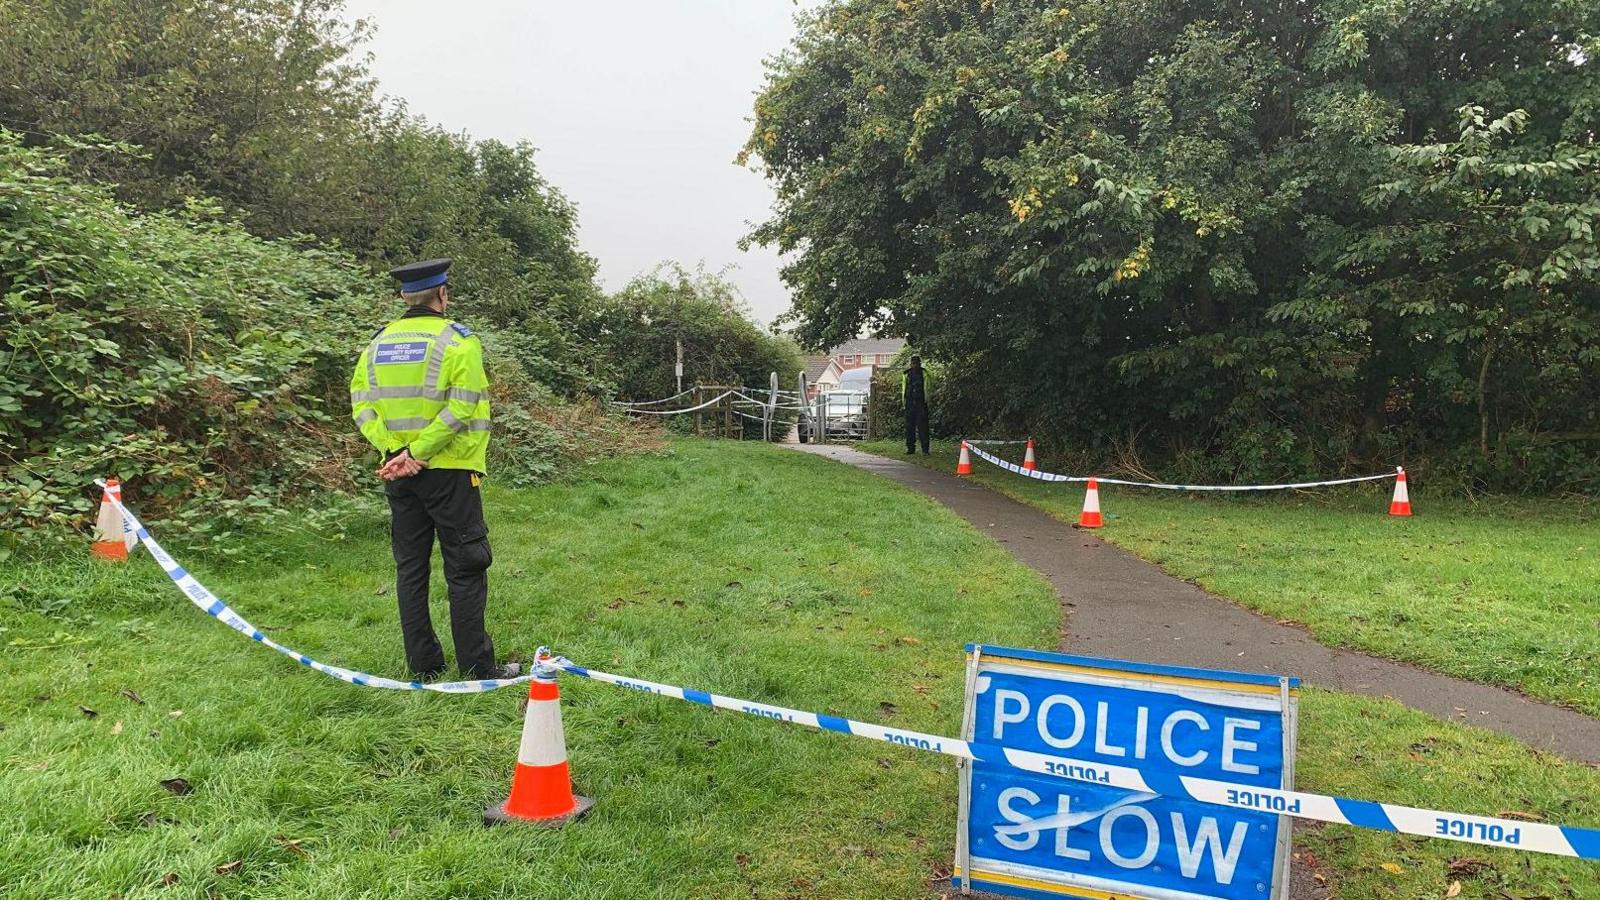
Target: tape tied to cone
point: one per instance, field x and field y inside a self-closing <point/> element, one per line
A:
<point x="1401" y="504"/>
<point x="112" y="538"/>
<point x="541" y="785"/>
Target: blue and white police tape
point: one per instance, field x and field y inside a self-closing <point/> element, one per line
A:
<point x="202" y="597"/>
<point x="673" y="412"/>
<point x="1041" y="475"/>
<point x="1490" y="831"/>
<point x="683" y="393"/>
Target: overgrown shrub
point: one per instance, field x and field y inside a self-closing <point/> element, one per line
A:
<point x="206" y="367"/>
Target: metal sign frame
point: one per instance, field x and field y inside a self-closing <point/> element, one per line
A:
<point x="1137" y="675"/>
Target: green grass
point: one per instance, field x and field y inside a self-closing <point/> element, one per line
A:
<point x="1503" y="591"/>
<point x="749" y="570"/>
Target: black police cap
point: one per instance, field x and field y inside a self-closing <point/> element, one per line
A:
<point x="419" y="276"/>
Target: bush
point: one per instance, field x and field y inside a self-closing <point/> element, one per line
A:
<point x="207" y="368"/>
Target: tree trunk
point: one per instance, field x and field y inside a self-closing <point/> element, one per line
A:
<point x="1483" y="396"/>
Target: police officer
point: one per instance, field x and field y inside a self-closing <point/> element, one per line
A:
<point x="420" y="395"/>
<point x="915" y="387"/>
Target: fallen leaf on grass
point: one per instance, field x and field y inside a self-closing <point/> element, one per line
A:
<point x="741" y="859"/>
<point x="910" y="642"/>
<point x="1514" y="814"/>
<point x="290" y="844"/>
<point x="132" y="695"/>
<point x="1454" y="890"/>
<point x="117" y="728"/>
<point x="1392" y="868"/>
<point x="920" y="688"/>
<point x="87" y="712"/>
<point x="170" y="878"/>
<point x="228" y="868"/>
<point x="179" y="786"/>
<point x="177" y="713"/>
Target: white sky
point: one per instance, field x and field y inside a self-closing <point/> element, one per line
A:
<point x="637" y="107"/>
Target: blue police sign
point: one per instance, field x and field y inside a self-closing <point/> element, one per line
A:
<point x="1036" y="836"/>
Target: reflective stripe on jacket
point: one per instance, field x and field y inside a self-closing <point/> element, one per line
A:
<point x="420" y="384"/>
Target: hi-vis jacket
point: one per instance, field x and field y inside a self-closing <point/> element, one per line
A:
<point x="927" y="386"/>
<point x="420" y="384"/>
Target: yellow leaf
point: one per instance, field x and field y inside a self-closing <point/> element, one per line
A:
<point x="1454" y="890"/>
<point x="1392" y="868"/>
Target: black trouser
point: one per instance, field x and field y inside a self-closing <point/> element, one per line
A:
<point x="916" y="426"/>
<point x="444" y="501"/>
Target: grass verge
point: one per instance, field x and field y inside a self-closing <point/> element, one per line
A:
<point x="1502" y="591"/>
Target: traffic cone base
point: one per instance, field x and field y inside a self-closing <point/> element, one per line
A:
<point x="964" y="462"/>
<point x="109" y="543"/>
<point x="1401" y="504"/>
<point x="115" y="551"/>
<point x="1028" y="462"/>
<point x="1090" y="517"/>
<point x="498" y="814"/>
<point x="541" y="787"/>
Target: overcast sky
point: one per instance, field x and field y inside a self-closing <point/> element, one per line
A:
<point x="637" y="107"/>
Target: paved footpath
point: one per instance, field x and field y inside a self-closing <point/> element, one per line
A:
<point x="1120" y="606"/>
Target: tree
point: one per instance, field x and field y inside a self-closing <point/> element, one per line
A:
<point x="642" y="324"/>
<point x="267" y="107"/>
<point x="258" y="103"/>
<point x="1147" y="222"/>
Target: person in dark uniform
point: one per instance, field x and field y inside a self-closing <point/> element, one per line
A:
<point x="420" y="395"/>
<point x="915" y="388"/>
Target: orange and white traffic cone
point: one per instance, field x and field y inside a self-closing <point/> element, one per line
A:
<point x="1401" y="504"/>
<point x="1028" y="462"/>
<point x="109" y="541"/>
<point x="1090" y="517"/>
<point x="964" y="463"/>
<point x="541" y="788"/>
